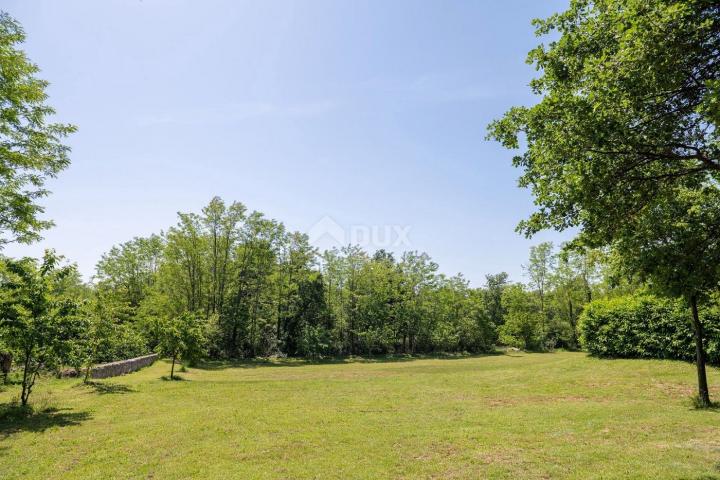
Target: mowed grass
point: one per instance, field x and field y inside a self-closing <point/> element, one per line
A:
<point x="559" y="415"/>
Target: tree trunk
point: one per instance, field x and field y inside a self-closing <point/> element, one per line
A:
<point x="233" y="338"/>
<point x="26" y="380"/>
<point x="573" y="324"/>
<point x="27" y="388"/>
<point x="24" y="395"/>
<point x="703" y="393"/>
<point x="6" y="359"/>
<point x="172" y="368"/>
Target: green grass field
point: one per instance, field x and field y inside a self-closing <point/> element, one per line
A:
<point x="560" y="415"/>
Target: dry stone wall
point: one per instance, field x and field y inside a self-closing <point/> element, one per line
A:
<point x="113" y="369"/>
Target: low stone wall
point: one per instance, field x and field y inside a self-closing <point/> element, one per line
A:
<point x="113" y="369"/>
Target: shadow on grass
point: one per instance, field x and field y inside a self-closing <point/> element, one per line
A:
<point x="697" y="406"/>
<point x="709" y="366"/>
<point x="15" y="419"/>
<point x="300" y="362"/>
<point x="107" y="388"/>
<point x="12" y="380"/>
<point x="175" y="378"/>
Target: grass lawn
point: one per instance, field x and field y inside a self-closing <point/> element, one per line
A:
<point x="560" y="415"/>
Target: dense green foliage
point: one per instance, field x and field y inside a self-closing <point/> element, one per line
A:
<point x="260" y="291"/>
<point x="646" y="326"/>
<point x="624" y="144"/>
<point x="37" y="321"/>
<point x="629" y="111"/>
<point x="523" y="327"/>
<point x="676" y="247"/>
<point x="182" y="337"/>
<point x="30" y="146"/>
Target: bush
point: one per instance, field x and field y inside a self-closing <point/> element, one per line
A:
<point x="314" y="341"/>
<point x="646" y="326"/>
<point x="123" y="341"/>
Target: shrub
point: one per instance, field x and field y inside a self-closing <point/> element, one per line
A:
<point x="122" y="341"/>
<point x="314" y="341"/>
<point x="646" y="326"/>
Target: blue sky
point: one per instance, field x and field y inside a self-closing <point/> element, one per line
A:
<point x="369" y="113"/>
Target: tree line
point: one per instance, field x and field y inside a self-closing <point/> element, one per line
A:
<point x="622" y="146"/>
<point x="262" y="290"/>
<point x="230" y="283"/>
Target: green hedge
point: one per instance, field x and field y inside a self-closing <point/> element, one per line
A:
<point x="646" y="326"/>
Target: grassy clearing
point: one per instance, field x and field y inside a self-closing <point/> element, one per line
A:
<point x="560" y="415"/>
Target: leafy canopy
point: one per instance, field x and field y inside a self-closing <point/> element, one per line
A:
<point x="38" y="320"/>
<point x="31" y="150"/>
<point x="629" y="111"/>
<point x="676" y="247"/>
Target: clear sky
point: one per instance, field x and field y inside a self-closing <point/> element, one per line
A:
<point x="368" y="113"/>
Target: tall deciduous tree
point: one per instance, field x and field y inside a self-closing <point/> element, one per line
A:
<point x="539" y="270"/>
<point x="296" y="260"/>
<point x="628" y="119"/>
<point x="629" y="110"/>
<point x="569" y="291"/>
<point x="494" y="286"/>
<point x="31" y="148"/>
<point x="523" y="320"/>
<point x="677" y="248"/>
<point x="310" y="326"/>
<point x="38" y="321"/>
<point x="222" y="227"/>
<point x="129" y="269"/>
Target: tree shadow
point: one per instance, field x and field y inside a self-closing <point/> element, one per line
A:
<point x="107" y="388"/>
<point x="12" y="381"/>
<point x="301" y="362"/>
<point x="15" y="419"/>
<point x="691" y="361"/>
<point x="695" y="405"/>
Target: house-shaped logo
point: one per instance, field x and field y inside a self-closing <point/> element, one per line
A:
<point x="327" y="231"/>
